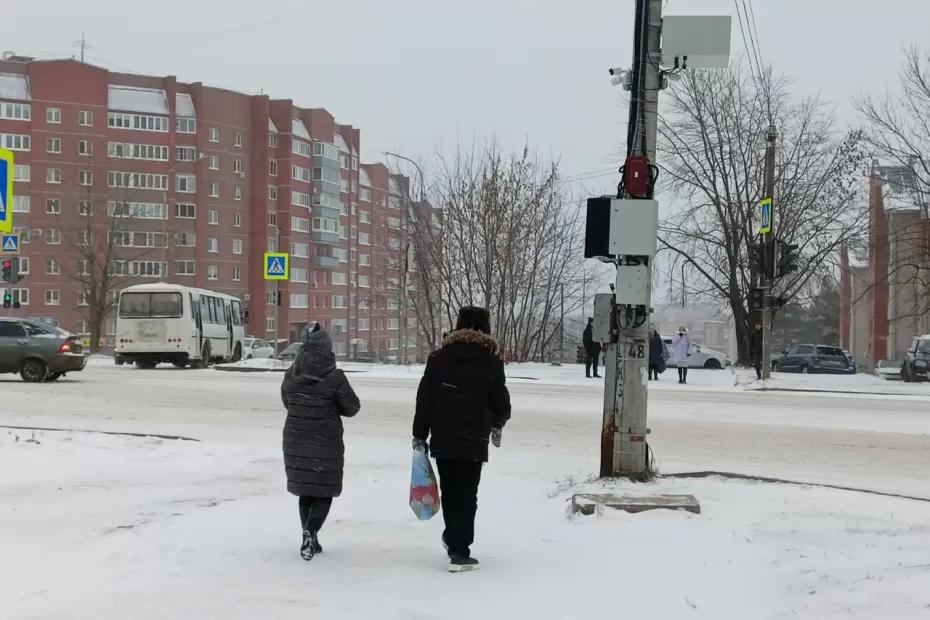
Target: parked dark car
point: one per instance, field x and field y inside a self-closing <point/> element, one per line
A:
<point x="288" y="354"/>
<point x="38" y="351"/>
<point x="814" y="358"/>
<point x="916" y="365"/>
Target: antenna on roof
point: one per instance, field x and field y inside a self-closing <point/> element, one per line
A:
<point x="83" y="44"/>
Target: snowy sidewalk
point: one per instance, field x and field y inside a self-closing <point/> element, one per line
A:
<point x="146" y="528"/>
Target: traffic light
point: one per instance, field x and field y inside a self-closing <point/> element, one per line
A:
<point x="757" y="299"/>
<point x="762" y="256"/>
<point x="788" y="258"/>
<point x="6" y="273"/>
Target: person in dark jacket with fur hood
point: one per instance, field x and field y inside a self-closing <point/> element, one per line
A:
<point x="462" y="403"/>
<point x="316" y="395"/>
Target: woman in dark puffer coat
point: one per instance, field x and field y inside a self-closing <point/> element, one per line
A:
<point x="316" y="395"/>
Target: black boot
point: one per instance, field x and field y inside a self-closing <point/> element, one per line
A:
<point x="309" y="546"/>
<point x="461" y="564"/>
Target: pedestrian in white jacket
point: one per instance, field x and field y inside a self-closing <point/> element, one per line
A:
<point x="681" y="353"/>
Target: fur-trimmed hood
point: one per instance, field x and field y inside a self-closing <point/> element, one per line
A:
<point x="470" y="336"/>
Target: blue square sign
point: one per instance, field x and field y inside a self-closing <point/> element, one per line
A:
<point x="6" y="191"/>
<point x="9" y="244"/>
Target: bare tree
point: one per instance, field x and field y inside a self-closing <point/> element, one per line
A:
<point x="109" y="250"/>
<point x="509" y="240"/>
<point x="898" y="130"/>
<point x="712" y="143"/>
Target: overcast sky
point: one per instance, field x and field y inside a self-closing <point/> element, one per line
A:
<point x="414" y="74"/>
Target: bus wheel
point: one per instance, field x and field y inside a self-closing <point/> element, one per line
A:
<point x="146" y="365"/>
<point x="237" y="354"/>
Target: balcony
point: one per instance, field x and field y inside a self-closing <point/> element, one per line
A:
<point x="325" y="237"/>
<point x="326" y="262"/>
<point x="326" y="212"/>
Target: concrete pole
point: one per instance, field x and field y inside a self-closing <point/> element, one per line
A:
<point x="768" y="243"/>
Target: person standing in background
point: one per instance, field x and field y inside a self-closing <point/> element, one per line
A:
<point x="592" y="350"/>
<point x="658" y="354"/>
<point x="681" y="353"/>
<point x="755" y="350"/>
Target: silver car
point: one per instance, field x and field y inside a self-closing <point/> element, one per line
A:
<point x="701" y="357"/>
<point x="256" y="348"/>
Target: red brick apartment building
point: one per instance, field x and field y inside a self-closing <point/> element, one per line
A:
<point x="884" y="295"/>
<point x="214" y="179"/>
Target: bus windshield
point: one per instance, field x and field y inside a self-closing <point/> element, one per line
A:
<point x="150" y="305"/>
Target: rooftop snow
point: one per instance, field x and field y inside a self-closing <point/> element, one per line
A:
<point x="363" y="178"/>
<point x="271" y="126"/>
<point x="141" y="100"/>
<point x="340" y="143"/>
<point x="184" y="105"/>
<point x="14" y="86"/>
<point x="299" y="129"/>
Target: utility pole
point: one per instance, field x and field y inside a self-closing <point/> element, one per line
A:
<point x="768" y="248"/>
<point x="623" y="438"/>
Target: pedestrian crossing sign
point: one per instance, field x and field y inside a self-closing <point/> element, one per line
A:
<point x="765" y="224"/>
<point x="277" y="266"/>
<point x="6" y="191"/>
<point x="9" y="245"/>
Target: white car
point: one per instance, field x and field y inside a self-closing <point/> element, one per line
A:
<point x="701" y="357"/>
<point x="256" y="348"/>
<point x="889" y="370"/>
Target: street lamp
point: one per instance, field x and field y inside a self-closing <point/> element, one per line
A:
<point x="172" y="168"/>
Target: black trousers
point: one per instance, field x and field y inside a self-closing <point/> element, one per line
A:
<point x="591" y="362"/>
<point x="313" y="512"/>
<point x="458" y="484"/>
<point x="682" y="373"/>
<point x="653" y="372"/>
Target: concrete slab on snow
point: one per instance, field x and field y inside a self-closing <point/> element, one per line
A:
<point x="590" y="503"/>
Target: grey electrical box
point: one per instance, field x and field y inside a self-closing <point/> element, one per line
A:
<point x="634" y="227"/>
<point x="632" y="285"/>
<point x="603" y="316"/>
<point x="696" y="41"/>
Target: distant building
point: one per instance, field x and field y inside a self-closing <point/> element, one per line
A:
<point x="885" y="294"/>
<point x="212" y="179"/>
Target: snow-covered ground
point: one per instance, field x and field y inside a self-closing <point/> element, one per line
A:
<point x="101" y="526"/>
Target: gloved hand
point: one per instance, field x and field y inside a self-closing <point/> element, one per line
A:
<point x="419" y="445"/>
<point x="496" y="436"/>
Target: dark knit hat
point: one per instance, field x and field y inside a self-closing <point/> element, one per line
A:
<point x="315" y="335"/>
<point x="475" y="318"/>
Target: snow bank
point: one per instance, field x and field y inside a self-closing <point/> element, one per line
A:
<point x="256" y="365"/>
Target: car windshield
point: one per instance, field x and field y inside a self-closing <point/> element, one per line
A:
<point x="924" y="346"/>
<point x="150" y="305"/>
<point x="805" y="349"/>
<point x="889" y="364"/>
<point x="830" y="351"/>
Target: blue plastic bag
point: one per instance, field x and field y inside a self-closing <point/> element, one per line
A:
<point x="424" y="490"/>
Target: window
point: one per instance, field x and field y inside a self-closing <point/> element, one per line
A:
<point x="344" y="185"/>
<point x="355" y="163"/>
<point x="213" y="272"/>
<point x="338" y="326"/>
<point x="214" y="134"/>
<point x="213" y="245"/>
<point x="364" y="260"/>
<point x="363" y="325"/>
<point x="53" y="176"/>
<point x="53" y="206"/>
<point x="149" y="152"/>
<point x="270" y="324"/>
<point x="185" y="183"/>
<point x="53" y="116"/>
<point x="130" y="239"/>
<point x="299" y="300"/>
<point x="53" y="145"/>
<point x="273" y="140"/>
<point x="17" y="142"/>
<point x="364" y="194"/>
<point x="340" y="278"/>
<point x="327" y="200"/>
<point x="300" y="250"/>
<point x="237" y="139"/>
<point x="140" y="210"/>
<point x="184" y="267"/>
<point x="393" y="324"/>
<point x="213" y="217"/>
<point x="300" y="224"/>
<point x="237" y="192"/>
<point x="327" y="174"/>
<point x="339" y="301"/>
<point x="16" y="111"/>
<point x="22" y="172"/>
<point x="85" y="118"/>
<point x="272" y="219"/>
<point x="21" y="204"/>
<point x="24" y="265"/>
<point x="237" y="246"/>
<point x="301" y="199"/>
<point x="52" y="267"/>
<point x="111" y="327"/>
<point x="137" y="180"/>
<point x="272" y="167"/>
<point x="324" y="224"/>
<point x="237" y="274"/>
<point x="272" y="192"/>
<point x="237" y="167"/>
<point x="137" y="122"/>
<point x="364" y="217"/>
<point x="354" y="186"/>
<point x="185" y="239"/>
<point x="364" y="238"/>
<point x="185" y="153"/>
<point x="326" y="150"/>
<point x="53" y="298"/>
<point x="186" y="125"/>
<point x="86" y="178"/>
<point x="344" y="161"/>
<point x="299" y="275"/>
<point x="300" y="148"/>
<point x="394" y="243"/>
<point x="237" y="220"/>
<point x="185" y="211"/>
<point x="85" y="208"/>
<point x="213" y="161"/>
<point x="364" y="281"/>
<point x="341" y="254"/>
<point x="343" y="232"/>
<point x="299" y="173"/>
<point x="82" y="301"/>
<point x="214" y="189"/>
<point x="394" y="222"/>
<point x="392" y="344"/>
